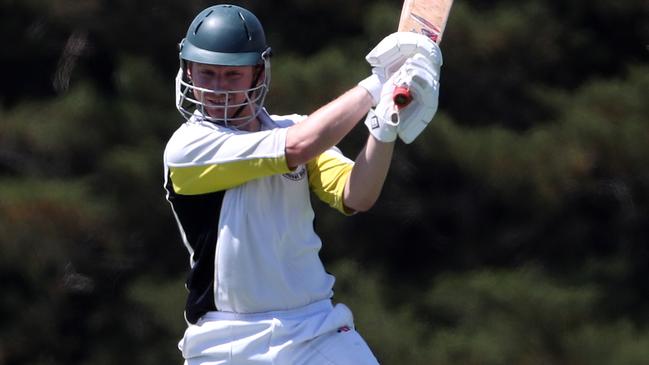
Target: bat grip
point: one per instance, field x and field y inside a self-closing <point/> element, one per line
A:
<point x="401" y="96"/>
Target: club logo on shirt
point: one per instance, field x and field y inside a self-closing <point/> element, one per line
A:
<point x="296" y="175"/>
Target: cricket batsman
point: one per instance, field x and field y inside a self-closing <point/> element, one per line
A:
<point x="239" y="180"/>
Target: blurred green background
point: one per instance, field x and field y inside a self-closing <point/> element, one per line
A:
<point x="515" y="230"/>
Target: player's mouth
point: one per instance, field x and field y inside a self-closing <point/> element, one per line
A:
<point x="217" y="103"/>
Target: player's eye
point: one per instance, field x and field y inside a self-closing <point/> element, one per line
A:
<point x="233" y="75"/>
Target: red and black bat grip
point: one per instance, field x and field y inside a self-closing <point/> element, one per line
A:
<point x="401" y="96"/>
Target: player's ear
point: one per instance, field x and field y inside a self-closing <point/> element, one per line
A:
<point x="188" y="69"/>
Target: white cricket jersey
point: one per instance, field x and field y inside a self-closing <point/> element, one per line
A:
<point x="246" y="219"/>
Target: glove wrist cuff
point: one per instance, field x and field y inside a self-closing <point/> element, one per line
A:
<point x="373" y="86"/>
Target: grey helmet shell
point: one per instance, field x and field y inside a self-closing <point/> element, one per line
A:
<point x="225" y="35"/>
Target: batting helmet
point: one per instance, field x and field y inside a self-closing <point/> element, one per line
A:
<point x="226" y="35"/>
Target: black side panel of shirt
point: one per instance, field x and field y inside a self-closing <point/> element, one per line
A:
<point x="199" y="218"/>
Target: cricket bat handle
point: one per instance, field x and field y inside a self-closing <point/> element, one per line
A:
<point x="401" y="96"/>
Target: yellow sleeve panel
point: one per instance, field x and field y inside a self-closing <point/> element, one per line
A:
<point x="195" y="180"/>
<point x="328" y="174"/>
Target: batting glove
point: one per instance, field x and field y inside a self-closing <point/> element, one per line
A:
<point x="384" y="121"/>
<point x="421" y="76"/>
<point x="391" y="53"/>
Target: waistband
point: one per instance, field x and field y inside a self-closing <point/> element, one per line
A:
<point x="315" y="307"/>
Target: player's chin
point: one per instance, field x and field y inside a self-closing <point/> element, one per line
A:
<point x="215" y="112"/>
<point x="233" y="117"/>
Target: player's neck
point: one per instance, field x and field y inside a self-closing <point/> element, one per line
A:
<point x="250" y="126"/>
<point x="254" y="126"/>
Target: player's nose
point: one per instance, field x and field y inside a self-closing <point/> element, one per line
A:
<point x="216" y="83"/>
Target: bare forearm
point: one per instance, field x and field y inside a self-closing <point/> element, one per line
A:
<point x="368" y="175"/>
<point x="326" y="127"/>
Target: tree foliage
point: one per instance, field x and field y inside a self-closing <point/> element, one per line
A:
<point x="513" y="231"/>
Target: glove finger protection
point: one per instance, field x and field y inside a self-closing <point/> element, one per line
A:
<point x="421" y="76"/>
<point x="391" y="53"/>
<point x="396" y="48"/>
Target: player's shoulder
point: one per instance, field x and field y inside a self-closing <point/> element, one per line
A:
<point x="193" y="136"/>
<point x="285" y="121"/>
<point x="193" y="129"/>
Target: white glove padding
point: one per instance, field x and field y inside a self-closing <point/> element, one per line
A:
<point x="393" y="50"/>
<point x="421" y="76"/>
<point x="384" y="121"/>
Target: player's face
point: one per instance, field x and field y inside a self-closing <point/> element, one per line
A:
<point x="221" y="79"/>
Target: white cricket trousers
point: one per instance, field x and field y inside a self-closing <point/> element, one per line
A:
<point x="317" y="334"/>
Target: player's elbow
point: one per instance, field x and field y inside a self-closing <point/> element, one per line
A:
<point x="300" y="147"/>
<point x="297" y="154"/>
<point x="360" y="204"/>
